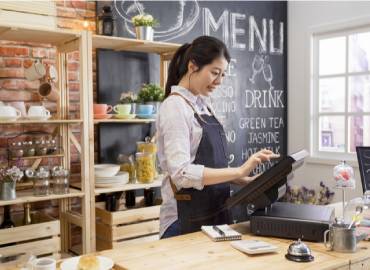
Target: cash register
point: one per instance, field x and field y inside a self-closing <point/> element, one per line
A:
<point x="268" y="217"/>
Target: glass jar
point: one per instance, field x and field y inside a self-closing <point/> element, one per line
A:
<point x="52" y="147"/>
<point x="60" y="181"/>
<point x="16" y="150"/>
<point x="149" y="147"/>
<point x="30" y="149"/>
<point x="42" y="149"/>
<point x="127" y="164"/>
<point x="144" y="167"/>
<point x="41" y="184"/>
<point x="344" y="175"/>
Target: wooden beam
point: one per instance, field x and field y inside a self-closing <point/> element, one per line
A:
<point x="75" y="141"/>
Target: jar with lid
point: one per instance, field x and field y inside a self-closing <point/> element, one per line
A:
<point x="16" y="150"/>
<point x="52" y="147"/>
<point x="41" y="184"/>
<point x="149" y="147"/>
<point x="344" y="176"/>
<point x="144" y="167"/>
<point x="29" y="149"/>
<point x="127" y="164"/>
<point x="42" y="149"/>
<point x="60" y="180"/>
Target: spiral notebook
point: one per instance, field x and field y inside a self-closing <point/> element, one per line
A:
<point x="221" y="233"/>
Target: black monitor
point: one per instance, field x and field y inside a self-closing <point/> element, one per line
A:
<point x="268" y="187"/>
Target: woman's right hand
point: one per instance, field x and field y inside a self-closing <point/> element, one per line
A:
<point x="256" y="159"/>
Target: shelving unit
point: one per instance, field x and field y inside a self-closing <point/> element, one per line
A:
<point x="84" y="42"/>
<point x="65" y="42"/>
<point x="165" y="51"/>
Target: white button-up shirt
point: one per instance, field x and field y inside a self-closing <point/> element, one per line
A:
<point x="178" y="138"/>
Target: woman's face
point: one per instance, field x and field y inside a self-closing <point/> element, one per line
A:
<point x="203" y="82"/>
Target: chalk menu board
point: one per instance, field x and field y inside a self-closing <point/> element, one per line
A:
<point x="251" y="103"/>
<point x="363" y="157"/>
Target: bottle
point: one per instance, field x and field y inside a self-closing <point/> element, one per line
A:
<point x="7" y="222"/>
<point x="27" y="214"/>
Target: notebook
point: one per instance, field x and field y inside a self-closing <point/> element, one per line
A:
<point x="221" y="233"/>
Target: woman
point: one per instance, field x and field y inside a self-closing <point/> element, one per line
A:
<point x="192" y="142"/>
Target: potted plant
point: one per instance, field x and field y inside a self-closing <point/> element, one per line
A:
<point x="144" y="24"/>
<point x="8" y="179"/>
<point x="151" y="94"/>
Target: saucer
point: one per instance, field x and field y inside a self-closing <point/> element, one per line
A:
<point x="146" y="116"/>
<point x="38" y="118"/>
<point x="102" y="116"/>
<point x="8" y="118"/>
<point x="124" y="116"/>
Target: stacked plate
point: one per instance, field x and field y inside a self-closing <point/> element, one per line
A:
<point x="108" y="175"/>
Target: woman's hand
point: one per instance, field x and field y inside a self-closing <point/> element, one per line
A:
<point x="245" y="180"/>
<point x="256" y="159"/>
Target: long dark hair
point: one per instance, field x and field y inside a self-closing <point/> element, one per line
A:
<point x="202" y="51"/>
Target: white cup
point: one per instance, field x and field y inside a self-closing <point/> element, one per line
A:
<point x="38" y="111"/>
<point x="19" y="105"/>
<point x="44" y="264"/>
<point x="9" y="111"/>
<point x="36" y="71"/>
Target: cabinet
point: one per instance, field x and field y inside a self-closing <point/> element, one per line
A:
<point x="111" y="226"/>
<point x="48" y="235"/>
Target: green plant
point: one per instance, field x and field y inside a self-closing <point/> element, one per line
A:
<point x="128" y="97"/>
<point x="151" y="92"/>
<point x="144" y="20"/>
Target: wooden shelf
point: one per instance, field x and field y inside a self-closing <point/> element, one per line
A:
<point x="54" y="121"/>
<point x="39" y="35"/>
<point x="37" y="157"/>
<point x="156" y="183"/>
<point x="134" y="45"/>
<point x="124" y="121"/>
<point x="27" y="196"/>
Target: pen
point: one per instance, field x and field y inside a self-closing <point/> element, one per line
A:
<point x="218" y="230"/>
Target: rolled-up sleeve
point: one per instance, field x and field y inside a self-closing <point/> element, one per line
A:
<point x="175" y="127"/>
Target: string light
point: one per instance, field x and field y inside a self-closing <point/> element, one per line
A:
<point x="86" y="24"/>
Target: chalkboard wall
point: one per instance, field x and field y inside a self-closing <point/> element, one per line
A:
<point x="251" y="103"/>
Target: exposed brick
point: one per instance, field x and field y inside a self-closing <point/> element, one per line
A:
<point x="60" y="3"/>
<point x="27" y="62"/>
<point x="75" y="24"/>
<point x="74" y="56"/>
<point x="12" y="84"/>
<point x="13" y="51"/>
<point x="2" y="62"/>
<point x="39" y="52"/>
<point x="13" y="62"/>
<point x="48" y="61"/>
<point x="73" y="76"/>
<point x="91" y="6"/>
<point x="52" y="54"/>
<point x="73" y="86"/>
<point x="11" y="73"/>
<point x="31" y="85"/>
<point x="15" y="95"/>
<point x="73" y="66"/>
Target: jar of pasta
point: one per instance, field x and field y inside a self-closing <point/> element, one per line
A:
<point x="144" y="167"/>
<point x="127" y="164"/>
<point x="149" y="147"/>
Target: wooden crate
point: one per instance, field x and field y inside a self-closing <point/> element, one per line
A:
<point x="40" y="239"/>
<point x="121" y="228"/>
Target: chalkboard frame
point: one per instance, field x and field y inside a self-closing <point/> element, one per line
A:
<point x="365" y="177"/>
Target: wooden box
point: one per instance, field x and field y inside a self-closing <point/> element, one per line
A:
<point x="39" y="239"/>
<point x="120" y="228"/>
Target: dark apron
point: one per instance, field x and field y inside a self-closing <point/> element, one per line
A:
<point x="202" y="207"/>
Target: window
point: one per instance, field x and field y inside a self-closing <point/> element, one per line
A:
<point x="341" y="93"/>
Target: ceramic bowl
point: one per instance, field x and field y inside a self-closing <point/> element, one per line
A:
<point x="106" y="170"/>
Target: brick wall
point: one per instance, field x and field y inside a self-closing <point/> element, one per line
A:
<point x="15" y="56"/>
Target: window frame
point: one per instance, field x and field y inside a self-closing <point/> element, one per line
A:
<point x="314" y="93"/>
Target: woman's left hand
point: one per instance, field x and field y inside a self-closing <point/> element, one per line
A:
<point x="245" y="180"/>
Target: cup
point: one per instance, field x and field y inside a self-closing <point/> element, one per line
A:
<point x="9" y="111"/>
<point x="38" y="111"/>
<point x="19" y="105"/>
<point x="36" y="71"/>
<point x="44" y="264"/>
<point x="145" y="109"/>
<point x="102" y="108"/>
<point x="341" y="238"/>
<point x="122" y="109"/>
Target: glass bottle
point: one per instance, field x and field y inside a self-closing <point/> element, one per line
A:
<point x="7" y="222"/>
<point x="27" y="214"/>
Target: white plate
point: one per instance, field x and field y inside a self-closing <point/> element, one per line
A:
<point x="119" y="177"/>
<point x="72" y="263"/>
<point x="38" y="118"/>
<point x="8" y="118"/>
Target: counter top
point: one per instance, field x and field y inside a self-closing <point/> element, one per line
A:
<point x="197" y="251"/>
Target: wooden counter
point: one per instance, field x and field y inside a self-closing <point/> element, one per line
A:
<point x="197" y="251"/>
